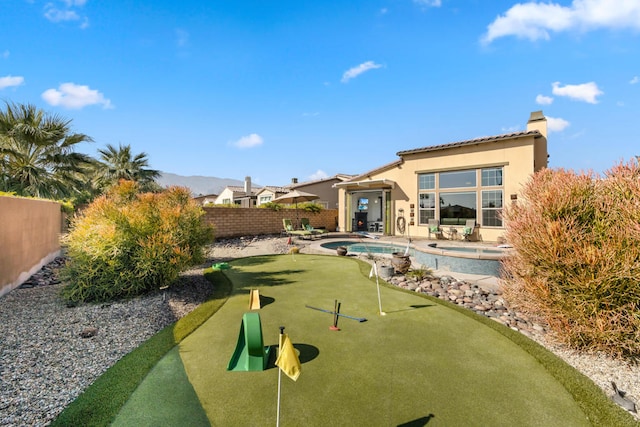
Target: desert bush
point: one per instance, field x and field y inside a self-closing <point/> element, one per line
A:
<point x="419" y="273"/>
<point x="577" y="256"/>
<point x="126" y="243"/>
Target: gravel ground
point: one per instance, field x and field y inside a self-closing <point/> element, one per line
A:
<point x="46" y="363"/>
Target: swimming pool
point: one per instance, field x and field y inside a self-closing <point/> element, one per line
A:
<point x="360" y="247"/>
<point x="456" y="259"/>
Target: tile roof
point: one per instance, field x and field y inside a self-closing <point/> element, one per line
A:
<point x="274" y="189"/>
<point x="481" y="140"/>
<point x="339" y="177"/>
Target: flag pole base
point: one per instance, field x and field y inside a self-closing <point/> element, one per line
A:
<point x="333" y="328"/>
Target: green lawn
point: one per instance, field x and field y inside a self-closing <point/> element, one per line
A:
<point x="424" y="363"/>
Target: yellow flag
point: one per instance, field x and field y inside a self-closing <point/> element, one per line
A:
<point x="288" y="358"/>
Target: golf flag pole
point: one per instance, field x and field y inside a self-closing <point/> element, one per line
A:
<point x="288" y="362"/>
<point x="279" y="374"/>
<point x="374" y="270"/>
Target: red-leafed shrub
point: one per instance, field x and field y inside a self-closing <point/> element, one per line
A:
<point x="127" y="243"/>
<point x="577" y="256"/>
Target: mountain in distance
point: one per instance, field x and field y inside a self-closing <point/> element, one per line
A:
<point x="199" y="185"/>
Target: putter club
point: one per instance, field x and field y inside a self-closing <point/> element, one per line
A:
<point x="359" y="319"/>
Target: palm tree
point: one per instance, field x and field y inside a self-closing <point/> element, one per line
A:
<point x="118" y="163"/>
<point x="37" y="155"/>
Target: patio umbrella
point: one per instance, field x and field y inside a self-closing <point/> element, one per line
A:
<point x="295" y="196"/>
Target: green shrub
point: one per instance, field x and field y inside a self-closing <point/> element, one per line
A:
<point x="310" y="207"/>
<point x="577" y="260"/>
<point x="126" y="243"/>
<point x="271" y="205"/>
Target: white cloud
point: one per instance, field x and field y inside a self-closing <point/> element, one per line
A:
<point x="356" y="71"/>
<point x="71" y="95"/>
<point x="5" y="54"/>
<point x="66" y="13"/>
<point x="544" y="100"/>
<point x="71" y="3"/>
<point x="249" y="141"/>
<point x="11" y="81"/>
<point x="384" y="11"/>
<point x="510" y="129"/>
<point x="535" y="20"/>
<point x="555" y="124"/>
<point x="586" y="92"/>
<point x="58" y="15"/>
<point x="319" y="174"/>
<point x="634" y="80"/>
<point x="429" y="3"/>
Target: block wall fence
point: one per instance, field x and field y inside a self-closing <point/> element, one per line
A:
<point x="29" y="238"/>
<point x="238" y="222"/>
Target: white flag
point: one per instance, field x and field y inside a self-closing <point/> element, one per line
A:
<point x="374" y="270"/>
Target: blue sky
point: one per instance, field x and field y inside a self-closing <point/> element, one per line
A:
<point x="309" y="89"/>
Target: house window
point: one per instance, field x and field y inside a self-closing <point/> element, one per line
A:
<point x="427" y="181"/>
<point x="265" y="199"/>
<point x="426" y="207"/>
<point x="456" y="208"/>
<point x="492" y="177"/>
<point x="427" y="204"/>
<point x="491" y="208"/>
<point x="458" y="179"/>
<point x="440" y="197"/>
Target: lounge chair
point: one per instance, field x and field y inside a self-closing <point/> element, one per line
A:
<point x="307" y="227"/>
<point x="434" y="228"/>
<point x="469" y="230"/>
<point x="291" y="231"/>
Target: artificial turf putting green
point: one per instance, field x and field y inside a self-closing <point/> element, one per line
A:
<point x="423" y="362"/>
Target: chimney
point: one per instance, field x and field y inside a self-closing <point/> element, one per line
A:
<point x="537" y="121"/>
<point x="294" y="180"/>
<point x="247" y="185"/>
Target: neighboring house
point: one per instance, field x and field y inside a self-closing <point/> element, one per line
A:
<point x="244" y="196"/>
<point x="207" y="199"/>
<point x="268" y="193"/>
<point x="451" y="183"/>
<point x="324" y="188"/>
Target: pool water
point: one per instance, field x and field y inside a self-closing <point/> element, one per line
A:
<point x="444" y="261"/>
<point x="374" y="248"/>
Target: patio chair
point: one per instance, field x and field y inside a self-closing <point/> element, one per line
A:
<point x="434" y="228"/>
<point x="291" y="231"/>
<point x="307" y="227"/>
<point x="468" y="230"/>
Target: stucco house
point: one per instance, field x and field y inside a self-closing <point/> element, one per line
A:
<point x="244" y="196"/>
<point x="207" y="199"/>
<point x="323" y="188"/>
<point x="449" y="183"/>
<point x="268" y="193"/>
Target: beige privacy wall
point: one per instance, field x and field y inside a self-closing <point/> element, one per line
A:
<point x="236" y="222"/>
<point x="29" y="238"/>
